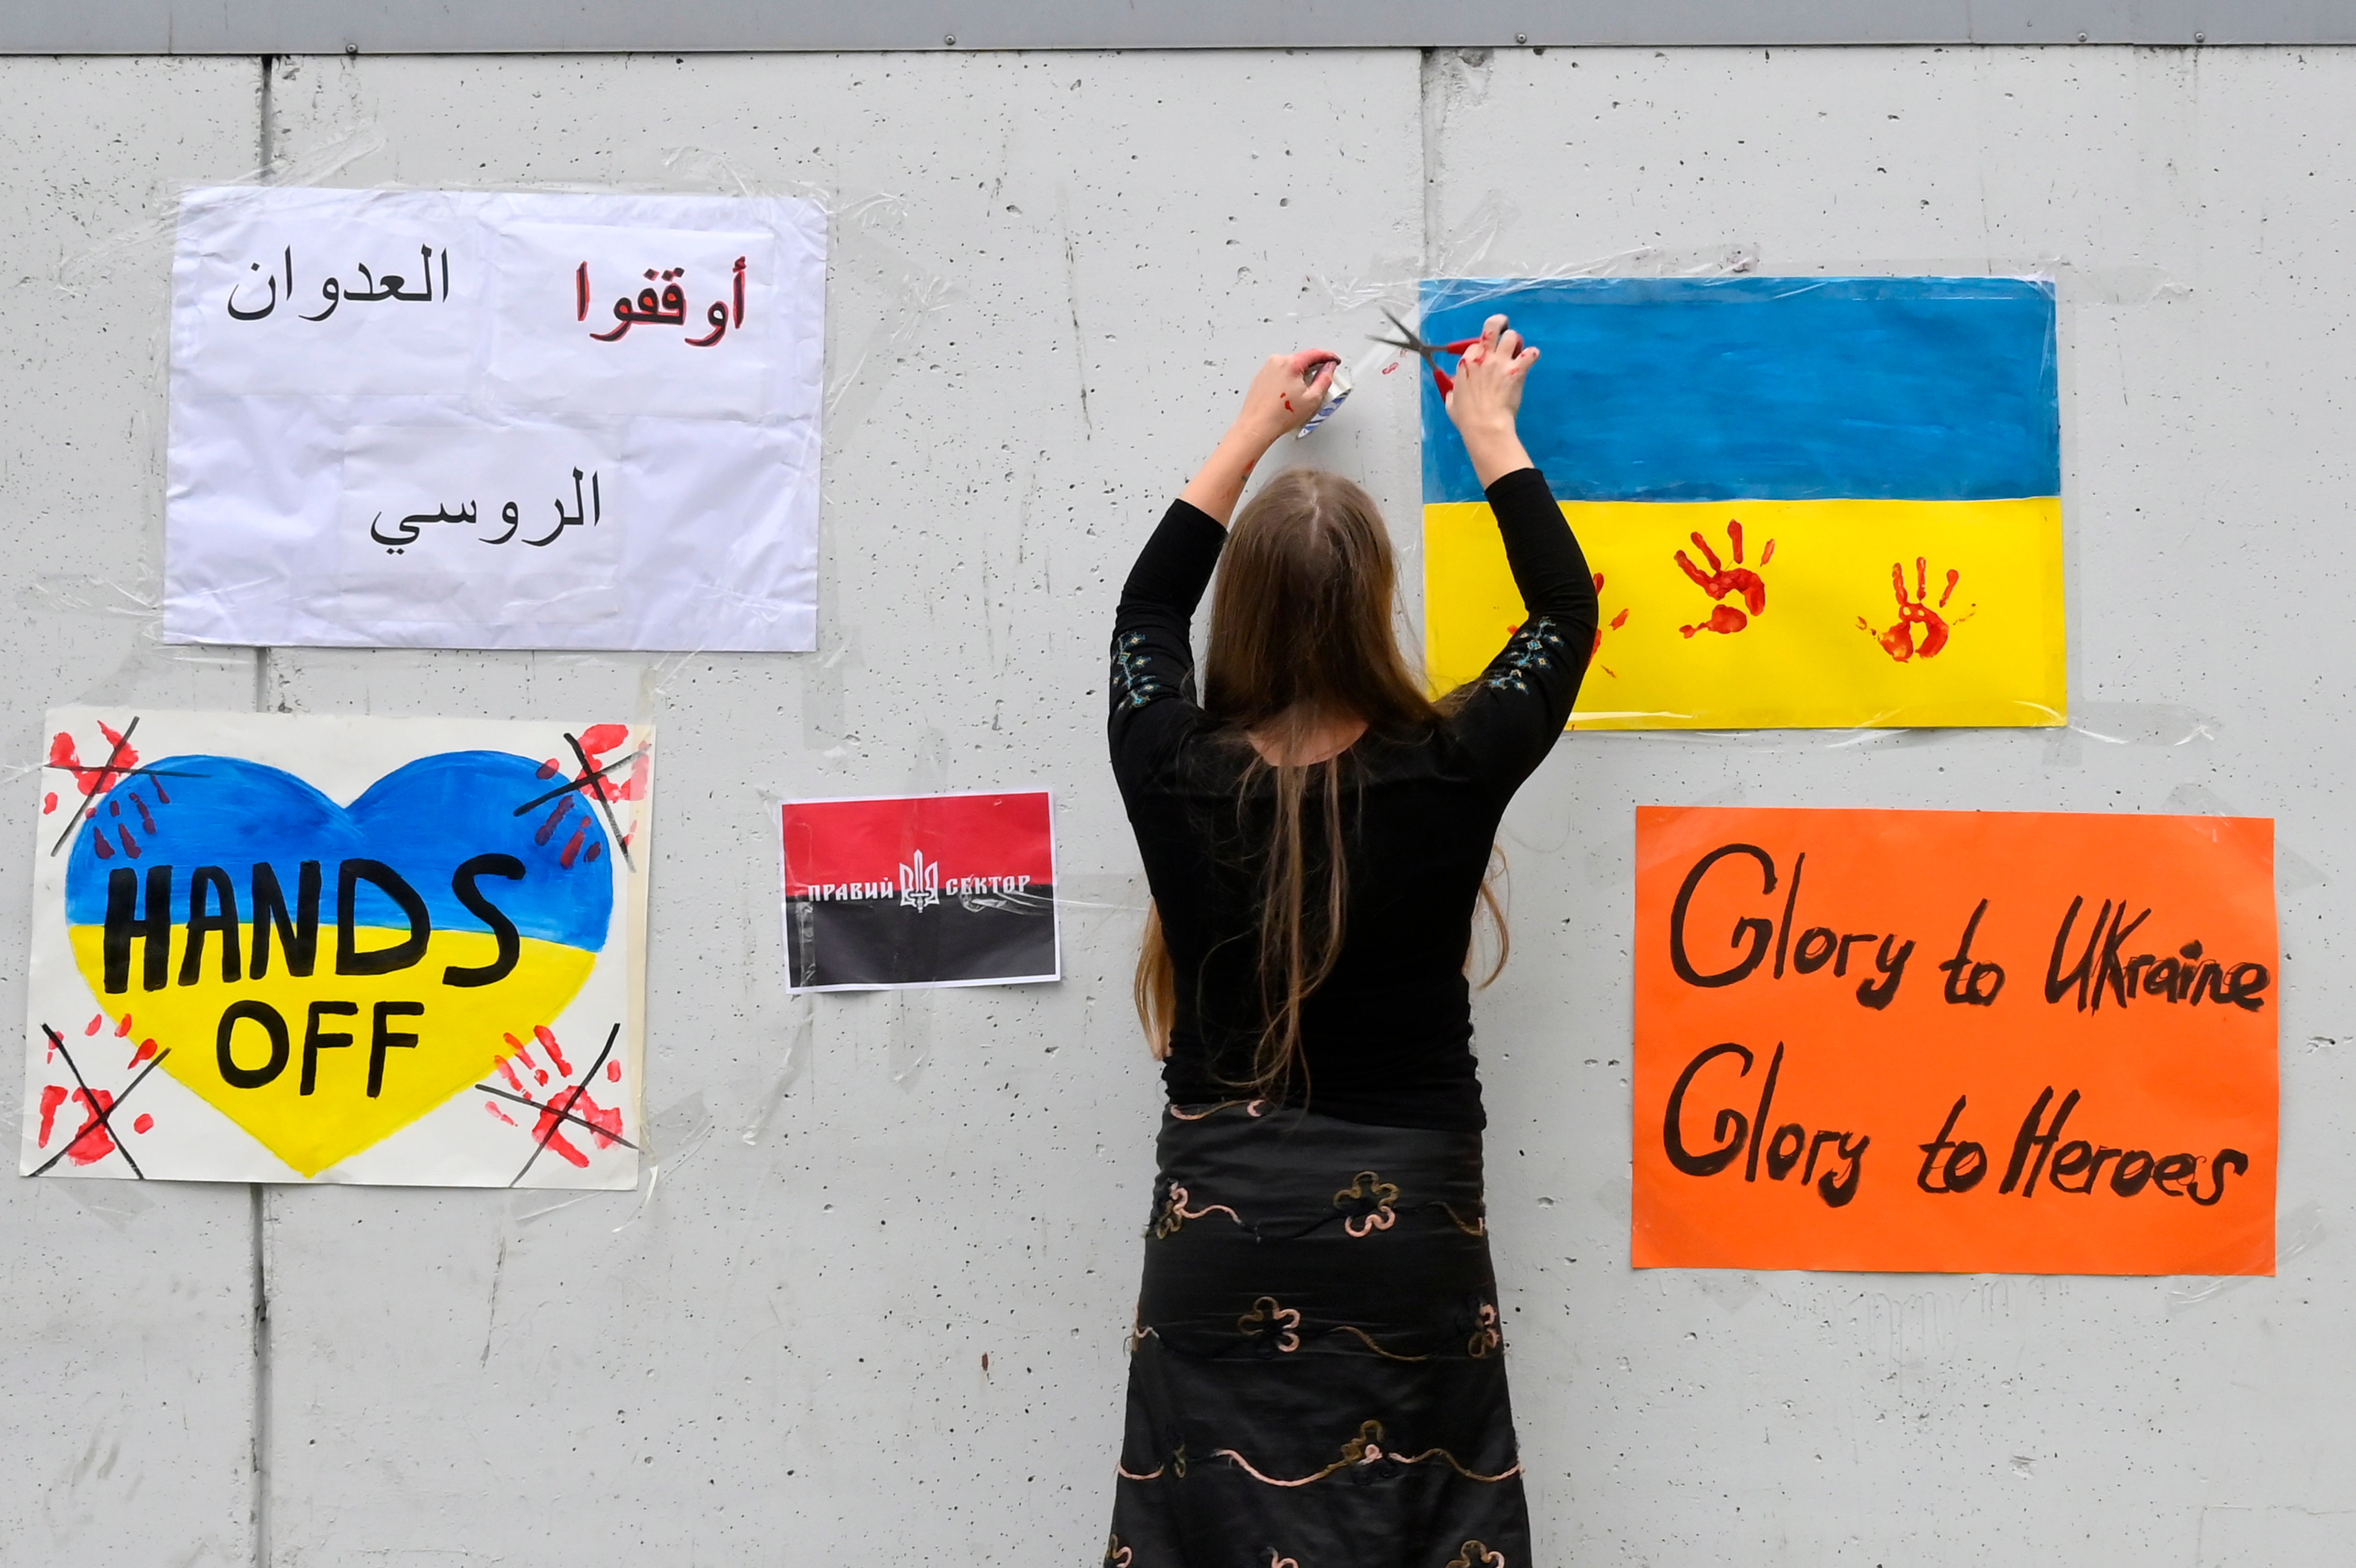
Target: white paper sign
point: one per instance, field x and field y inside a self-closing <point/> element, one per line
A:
<point x="269" y="948"/>
<point x="364" y="383"/>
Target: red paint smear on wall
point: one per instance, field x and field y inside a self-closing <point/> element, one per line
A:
<point x="145" y="1124"/>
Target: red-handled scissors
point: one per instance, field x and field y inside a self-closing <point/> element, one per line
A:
<point x="1409" y="341"/>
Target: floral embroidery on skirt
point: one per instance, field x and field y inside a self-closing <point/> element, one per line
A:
<point x="1316" y="1372"/>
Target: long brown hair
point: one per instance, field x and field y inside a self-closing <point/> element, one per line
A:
<point x="1300" y="638"/>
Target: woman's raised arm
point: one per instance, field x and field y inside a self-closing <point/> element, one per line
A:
<point x="1487" y="399"/>
<point x="1152" y="664"/>
<point x="1284" y="396"/>
<point x="1518" y="705"/>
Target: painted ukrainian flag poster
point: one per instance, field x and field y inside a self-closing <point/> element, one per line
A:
<point x="272" y="948"/>
<point x="1808" y="502"/>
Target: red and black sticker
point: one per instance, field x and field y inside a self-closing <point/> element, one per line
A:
<point x="939" y="889"/>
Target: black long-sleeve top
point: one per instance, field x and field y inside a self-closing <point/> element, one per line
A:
<point x="1386" y="1038"/>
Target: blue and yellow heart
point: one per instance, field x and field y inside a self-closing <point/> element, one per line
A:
<point x="324" y="975"/>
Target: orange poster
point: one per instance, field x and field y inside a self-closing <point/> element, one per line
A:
<point x="2026" y="1042"/>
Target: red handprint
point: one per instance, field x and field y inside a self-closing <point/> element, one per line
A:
<point x="89" y="1143"/>
<point x="1899" y="641"/>
<point x="1596" y="652"/>
<point x="1721" y="580"/>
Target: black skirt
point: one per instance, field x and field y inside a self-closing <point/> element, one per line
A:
<point x="1316" y="1377"/>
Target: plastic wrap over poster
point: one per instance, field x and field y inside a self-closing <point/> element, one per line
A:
<point x="434" y="419"/>
<point x="920" y="890"/>
<point x="338" y="949"/>
<point x="1961" y="1041"/>
<point x="1808" y="502"/>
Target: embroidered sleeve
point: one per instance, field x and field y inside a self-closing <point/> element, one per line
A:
<point x="1532" y="653"/>
<point x="1513" y="713"/>
<point x="1152" y="662"/>
<point x="1140" y="675"/>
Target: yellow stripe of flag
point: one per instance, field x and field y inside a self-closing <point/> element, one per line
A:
<point x="1833" y="644"/>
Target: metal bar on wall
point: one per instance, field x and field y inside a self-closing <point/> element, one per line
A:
<point x="598" y="26"/>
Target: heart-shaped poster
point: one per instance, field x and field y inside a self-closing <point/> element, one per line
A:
<point x="326" y="976"/>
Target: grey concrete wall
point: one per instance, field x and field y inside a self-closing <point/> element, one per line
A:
<point x="127" y="1362"/>
<point x="777" y="1353"/>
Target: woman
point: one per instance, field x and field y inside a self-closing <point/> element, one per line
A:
<point x="1315" y="1379"/>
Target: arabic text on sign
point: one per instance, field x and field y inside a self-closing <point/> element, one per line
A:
<point x="666" y="307"/>
<point x="389" y="286"/>
<point x="415" y="523"/>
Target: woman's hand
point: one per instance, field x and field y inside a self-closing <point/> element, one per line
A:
<point x="1283" y="396"/>
<point x="1488" y="396"/>
<point x="1287" y="392"/>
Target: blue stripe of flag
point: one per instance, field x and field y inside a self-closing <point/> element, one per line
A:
<point x="1768" y="389"/>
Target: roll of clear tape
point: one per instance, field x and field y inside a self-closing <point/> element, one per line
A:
<point x="1336" y="394"/>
